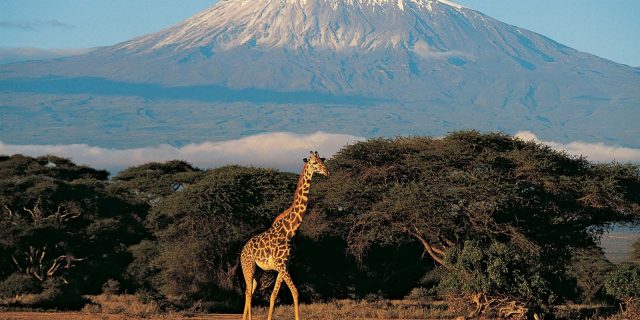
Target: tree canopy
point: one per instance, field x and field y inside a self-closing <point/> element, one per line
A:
<point x="499" y="220"/>
<point x="64" y="223"/>
<point x="491" y="189"/>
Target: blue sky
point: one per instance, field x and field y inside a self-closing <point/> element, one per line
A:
<point x="610" y="29"/>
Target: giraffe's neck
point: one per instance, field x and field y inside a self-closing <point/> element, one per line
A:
<point x="292" y="217"/>
<point x="299" y="205"/>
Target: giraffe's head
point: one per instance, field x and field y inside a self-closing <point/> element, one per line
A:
<point x="316" y="164"/>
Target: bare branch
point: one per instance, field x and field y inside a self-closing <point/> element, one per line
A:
<point x="6" y="210"/>
<point x="63" y="214"/>
<point x="15" y="261"/>
<point x="438" y="251"/>
<point x="55" y="265"/>
<point x="68" y="263"/>
<point x="437" y="256"/>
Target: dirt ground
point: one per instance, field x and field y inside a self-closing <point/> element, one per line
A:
<point x="81" y="315"/>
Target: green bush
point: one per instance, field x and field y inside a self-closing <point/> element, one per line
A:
<point x="496" y="270"/>
<point x="623" y="282"/>
<point x="19" y="283"/>
<point x="57" y="294"/>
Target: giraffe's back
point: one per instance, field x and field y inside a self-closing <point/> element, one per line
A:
<point x="270" y="250"/>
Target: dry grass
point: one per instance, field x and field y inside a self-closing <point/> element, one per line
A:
<point x="21" y="300"/>
<point x="115" y="307"/>
<point x="350" y="309"/>
<point x="86" y="316"/>
<point x="125" y="304"/>
<point x="630" y="311"/>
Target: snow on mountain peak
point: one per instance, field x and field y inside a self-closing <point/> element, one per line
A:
<point x="333" y="24"/>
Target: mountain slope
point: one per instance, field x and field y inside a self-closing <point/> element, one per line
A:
<point x="428" y="53"/>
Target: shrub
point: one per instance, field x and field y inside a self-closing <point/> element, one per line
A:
<point x="59" y="295"/>
<point x="18" y="284"/>
<point x="496" y="272"/>
<point x="623" y="282"/>
<point x="111" y="287"/>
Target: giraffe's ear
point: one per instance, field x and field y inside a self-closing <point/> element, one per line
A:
<point x="305" y="160"/>
<point x="323" y="159"/>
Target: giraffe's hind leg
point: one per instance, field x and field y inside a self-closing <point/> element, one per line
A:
<point x="294" y="292"/>
<point x="248" y="268"/>
<point x="274" y="294"/>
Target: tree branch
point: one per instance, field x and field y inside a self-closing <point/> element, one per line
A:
<point x="6" y="210"/>
<point x="16" y="263"/>
<point x="63" y="214"/>
<point x="435" y="253"/>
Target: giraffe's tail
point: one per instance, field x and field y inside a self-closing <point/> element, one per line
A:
<point x="238" y="277"/>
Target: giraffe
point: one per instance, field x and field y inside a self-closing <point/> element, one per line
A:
<point x="271" y="249"/>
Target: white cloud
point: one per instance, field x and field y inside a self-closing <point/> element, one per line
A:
<point x="279" y="150"/>
<point x="598" y="152"/>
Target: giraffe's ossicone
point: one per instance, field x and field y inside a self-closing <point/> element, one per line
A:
<point x="271" y="249"/>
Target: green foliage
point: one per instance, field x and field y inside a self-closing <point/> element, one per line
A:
<point x="59" y="295"/>
<point x="49" y="166"/>
<point x="154" y="181"/>
<point x="487" y="188"/>
<point x="66" y="229"/>
<point x="623" y="282"/>
<point x="18" y="284"/>
<point x="143" y="269"/>
<point x="496" y="270"/>
<point x="508" y="218"/>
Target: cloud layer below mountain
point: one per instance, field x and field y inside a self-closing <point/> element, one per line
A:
<point x="280" y="150"/>
<point x="598" y="152"/>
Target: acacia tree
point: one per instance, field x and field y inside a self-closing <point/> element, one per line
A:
<point x="64" y="223"/>
<point x="488" y="188"/>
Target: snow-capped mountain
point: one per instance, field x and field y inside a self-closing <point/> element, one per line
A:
<point x="427" y="66"/>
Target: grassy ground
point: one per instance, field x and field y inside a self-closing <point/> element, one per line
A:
<point x="112" y="307"/>
<point x="116" y="307"/>
<point x="83" y="316"/>
<point x="350" y="309"/>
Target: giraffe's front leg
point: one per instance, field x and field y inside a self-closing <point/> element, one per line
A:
<point x="274" y="294"/>
<point x="248" y="268"/>
<point x="294" y="292"/>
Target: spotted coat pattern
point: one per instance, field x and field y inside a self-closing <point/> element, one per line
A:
<point x="271" y="249"/>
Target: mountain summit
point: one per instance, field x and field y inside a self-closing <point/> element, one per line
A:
<point x="300" y="24"/>
<point x="414" y="60"/>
